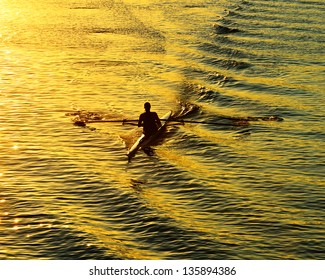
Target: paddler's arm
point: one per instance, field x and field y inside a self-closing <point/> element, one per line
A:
<point x="140" y="122"/>
<point x="157" y="120"/>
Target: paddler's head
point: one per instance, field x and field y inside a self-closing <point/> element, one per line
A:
<point x="147" y="106"/>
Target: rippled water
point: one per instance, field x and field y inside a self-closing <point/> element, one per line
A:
<point x="243" y="190"/>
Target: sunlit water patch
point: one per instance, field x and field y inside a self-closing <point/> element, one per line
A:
<point x="243" y="180"/>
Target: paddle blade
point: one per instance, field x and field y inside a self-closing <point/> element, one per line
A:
<point x="80" y="123"/>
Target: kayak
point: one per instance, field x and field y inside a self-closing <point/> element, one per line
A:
<point x="144" y="141"/>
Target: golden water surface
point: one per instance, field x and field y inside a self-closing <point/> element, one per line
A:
<point x="242" y="190"/>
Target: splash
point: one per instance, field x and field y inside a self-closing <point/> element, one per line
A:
<point x="185" y="109"/>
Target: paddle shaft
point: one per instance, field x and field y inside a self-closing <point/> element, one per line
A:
<point x="129" y="122"/>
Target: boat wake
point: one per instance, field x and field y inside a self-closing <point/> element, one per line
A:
<point x="90" y="116"/>
<point x="185" y="110"/>
<point x="191" y="110"/>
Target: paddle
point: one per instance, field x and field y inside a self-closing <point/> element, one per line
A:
<point x="83" y="123"/>
<point x="205" y="122"/>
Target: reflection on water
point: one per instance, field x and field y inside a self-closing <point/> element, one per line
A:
<point x="245" y="186"/>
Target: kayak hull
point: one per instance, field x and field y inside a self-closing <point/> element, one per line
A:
<point x="144" y="141"/>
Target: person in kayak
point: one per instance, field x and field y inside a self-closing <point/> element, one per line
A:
<point x="149" y="120"/>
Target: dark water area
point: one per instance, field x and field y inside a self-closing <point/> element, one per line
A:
<point x="244" y="180"/>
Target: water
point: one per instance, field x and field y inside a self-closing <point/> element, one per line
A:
<point x="244" y="191"/>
